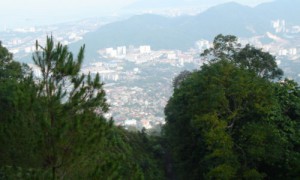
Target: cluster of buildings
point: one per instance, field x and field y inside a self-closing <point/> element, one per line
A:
<point x="122" y="51"/>
<point x="21" y="41"/>
<point x="138" y="80"/>
<point x="137" y="106"/>
<point x="144" y="54"/>
<point x="138" y="93"/>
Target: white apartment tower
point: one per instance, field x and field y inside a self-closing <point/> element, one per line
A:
<point x="145" y="49"/>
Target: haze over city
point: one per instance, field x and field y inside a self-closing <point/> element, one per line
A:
<point x="19" y="13"/>
<point x="150" y="89"/>
<point x="139" y="46"/>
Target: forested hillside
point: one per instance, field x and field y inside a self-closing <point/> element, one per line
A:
<point x="53" y="126"/>
<point x="234" y="118"/>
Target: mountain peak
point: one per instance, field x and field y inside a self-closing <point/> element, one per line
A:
<point x="229" y="6"/>
<point x="182" y="32"/>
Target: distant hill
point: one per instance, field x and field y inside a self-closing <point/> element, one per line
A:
<point x="281" y="9"/>
<point x="182" y="32"/>
<point x="162" y="4"/>
<point x="229" y="18"/>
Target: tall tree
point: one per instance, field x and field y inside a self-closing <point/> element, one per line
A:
<point x="72" y="103"/>
<point x="53" y="126"/>
<point x="230" y="120"/>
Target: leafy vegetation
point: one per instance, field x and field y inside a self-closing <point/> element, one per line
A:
<point x="53" y="126"/>
<point x="235" y="121"/>
<point x="232" y="119"/>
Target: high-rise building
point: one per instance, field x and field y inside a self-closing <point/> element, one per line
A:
<point x="121" y="51"/>
<point x="145" y="49"/>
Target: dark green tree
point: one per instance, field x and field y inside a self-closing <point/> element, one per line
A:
<point x="17" y="101"/>
<point x="248" y="57"/>
<point x="210" y="107"/>
<point x="287" y="118"/>
<point x="10" y="69"/>
<point x="262" y="63"/>
<point x="228" y="120"/>
<point x="53" y="126"/>
<point x="73" y="104"/>
<point x="224" y="47"/>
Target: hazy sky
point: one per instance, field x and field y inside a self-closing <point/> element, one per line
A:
<point x="22" y="12"/>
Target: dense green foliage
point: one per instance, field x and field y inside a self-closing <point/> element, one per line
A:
<point x="248" y="57"/>
<point x="234" y="122"/>
<point x="53" y="126"/>
<point x="232" y="119"/>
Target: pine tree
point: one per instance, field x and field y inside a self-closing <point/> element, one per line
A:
<point x="73" y="104"/>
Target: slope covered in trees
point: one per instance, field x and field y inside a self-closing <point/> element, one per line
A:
<point x="53" y="126"/>
<point x="235" y="118"/>
<point x="237" y="121"/>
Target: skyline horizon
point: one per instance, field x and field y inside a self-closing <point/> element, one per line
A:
<point x="13" y="16"/>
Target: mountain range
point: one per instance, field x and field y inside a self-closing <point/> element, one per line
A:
<point x="182" y="32"/>
<point x="144" y="5"/>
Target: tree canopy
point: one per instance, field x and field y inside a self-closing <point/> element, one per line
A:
<point x="234" y="118"/>
<point x="247" y="57"/>
<point x="53" y="126"/>
<point x="228" y="120"/>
